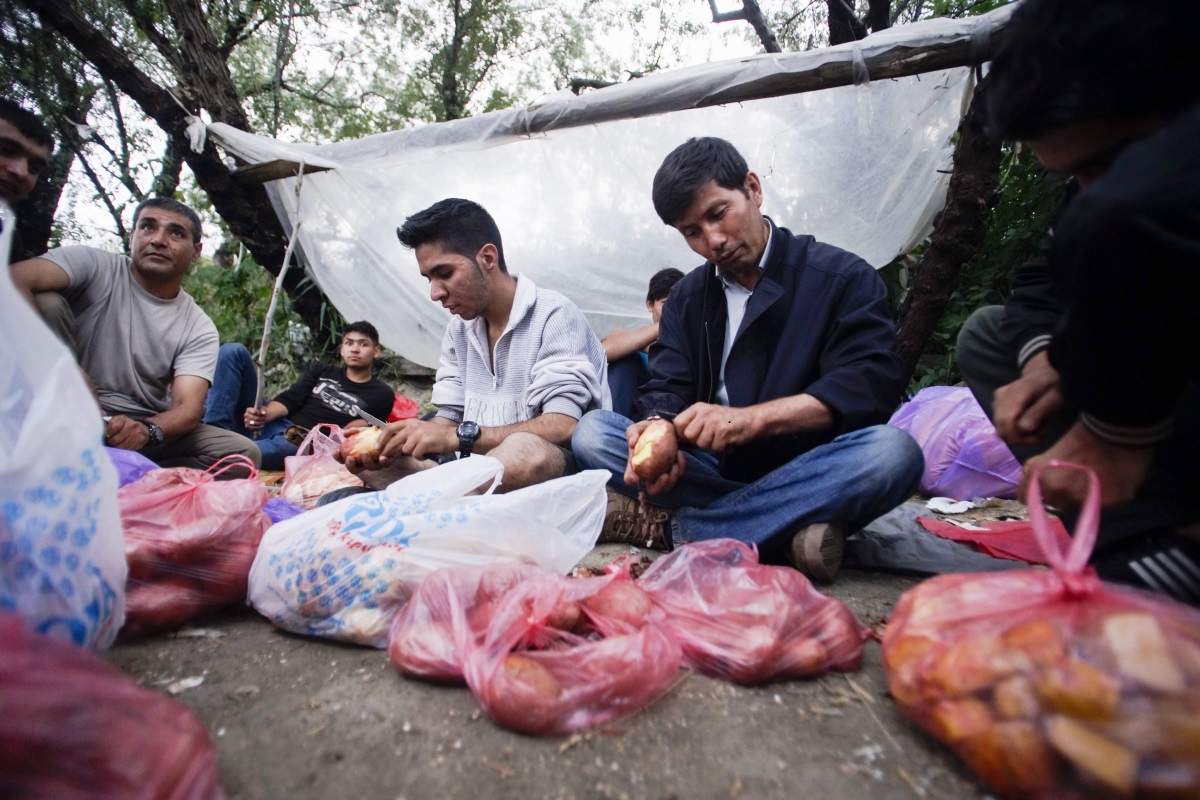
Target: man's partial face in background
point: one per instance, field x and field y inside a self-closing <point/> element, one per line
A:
<point x="22" y="160"/>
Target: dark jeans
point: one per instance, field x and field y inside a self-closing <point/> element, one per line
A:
<point x="625" y="375"/>
<point x="234" y="386"/>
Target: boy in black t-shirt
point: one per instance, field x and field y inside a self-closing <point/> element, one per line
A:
<point x="235" y="384"/>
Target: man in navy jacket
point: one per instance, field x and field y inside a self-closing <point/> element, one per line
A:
<point x="776" y="359"/>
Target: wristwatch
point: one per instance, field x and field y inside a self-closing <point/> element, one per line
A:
<point x="468" y="434"/>
<point x="156" y="433"/>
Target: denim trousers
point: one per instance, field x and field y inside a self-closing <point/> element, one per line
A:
<point x="625" y="375"/>
<point x="235" y="383"/>
<point x="853" y="479"/>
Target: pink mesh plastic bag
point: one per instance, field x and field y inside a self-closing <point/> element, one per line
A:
<point x="1051" y="683"/>
<point x="74" y="727"/>
<point x="447" y="616"/>
<point x="964" y="456"/>
<point x="313" y="472"/>
<point x="190" y="541"/>
<point x="563" y="654"/>
<point x="746" y="622"/>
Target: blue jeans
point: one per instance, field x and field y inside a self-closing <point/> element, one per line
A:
<point x="853" y="479"/>
<point x="234" y="385"/>
<point x="625" y="375"/>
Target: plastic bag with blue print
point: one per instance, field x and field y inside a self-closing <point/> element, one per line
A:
<point x="344" y="570"/>
<point x="62" y="559"/>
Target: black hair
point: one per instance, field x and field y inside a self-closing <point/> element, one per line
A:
<point x="363" y="327"/>
<point x="167" y="204"/>
<point x="460" y="226"/>
<point x="1063" y="61"/>
<point x="27" y="122"/>
<point x="661" y="283"/>
<point x="691" y="165"/>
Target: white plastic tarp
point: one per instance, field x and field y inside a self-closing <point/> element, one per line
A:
<point x="862" y="167"/>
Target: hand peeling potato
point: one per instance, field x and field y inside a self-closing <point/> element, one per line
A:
<point x="655" y="450"/>
<point x="362" y="443"/>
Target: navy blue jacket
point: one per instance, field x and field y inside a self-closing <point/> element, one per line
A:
<point x="818" y="323"/>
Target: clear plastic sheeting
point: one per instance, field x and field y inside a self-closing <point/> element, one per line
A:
<point x="862" y="167"/>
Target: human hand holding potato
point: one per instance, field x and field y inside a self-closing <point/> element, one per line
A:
<point x="362" y="444"/>
<point x="654" y="455"/>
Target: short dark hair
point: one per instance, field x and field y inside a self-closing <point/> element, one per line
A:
<point x="1062" y="61"/>
<point x="460" y="226"/>
<point x="661" y="283"/>
<point x="690" y="166"/>
<point x="27" y="122"/>
<point x="168" y="204"/>
<point x="363" y="327"/>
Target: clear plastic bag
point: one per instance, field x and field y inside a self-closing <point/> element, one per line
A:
<point x="190" y="541"/>
<point x="564" y="654"/>
<point x="964" y="456"/>
<point x="313" y="472"/>
<point x="62" y="566"/>
<point x="75" y="727"/>
<point x="1052" y="683"/>
<point x="344" y="569"/>
<point x="746" y="622"/>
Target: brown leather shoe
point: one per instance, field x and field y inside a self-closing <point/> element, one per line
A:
<point x="625" y="524"/>
<point x="817" y="550"/>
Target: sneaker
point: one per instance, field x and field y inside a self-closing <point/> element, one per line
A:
<point x="624" y="523"/>
<point x="817" y="550"/>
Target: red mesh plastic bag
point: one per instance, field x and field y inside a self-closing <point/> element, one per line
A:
<point x="448" y="615"/>
<point x="563" y="654"/>
<point x="1051" y="683"/>
<point x="746" y="622"/>
<point x="313" y="472"/>
<point x="402" y="408"/>
<point x="72" y="726"/>
<point x="190" y="541"/>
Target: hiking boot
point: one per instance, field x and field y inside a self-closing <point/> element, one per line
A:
<point x="817" y="550"/>
<point x="624" y="523"/>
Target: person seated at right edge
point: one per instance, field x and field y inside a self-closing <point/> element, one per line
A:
<point x="628" y="364"/>
<point x="1089" y="360"/>
<point x="230" y="401"/>
<point x="777" y="358"/>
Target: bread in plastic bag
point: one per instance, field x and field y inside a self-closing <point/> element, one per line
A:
<point x="344" y="569"/>
<point x="74" y="727"/>
<point x="1052" y="683"/>
<point x="62" y="564"/>
<point x="313" y="472"/>
<point x="190" y="541"/>
<point x="746" y="622"/>
<point x="964" y="456"/>
<point x="563" y="654"/>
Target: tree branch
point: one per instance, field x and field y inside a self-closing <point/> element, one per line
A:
<point x="103" y="193"/>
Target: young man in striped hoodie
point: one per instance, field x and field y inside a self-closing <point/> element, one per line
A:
<point x="519" y="364"/>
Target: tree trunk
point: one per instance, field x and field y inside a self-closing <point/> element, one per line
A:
<point x="843" y="25"/>
<point x="957" y="232"/>
<point x="244" y="208"/>
<point x="35" y="214"/>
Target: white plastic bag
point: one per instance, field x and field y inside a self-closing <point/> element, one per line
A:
<point x="343" y="570"/>
<point x="62" y="558"/>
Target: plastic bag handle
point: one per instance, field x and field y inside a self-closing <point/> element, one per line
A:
<point x="234" y="460"/>
<point x="1083" y="538"/>
<point x="307" y="446"/>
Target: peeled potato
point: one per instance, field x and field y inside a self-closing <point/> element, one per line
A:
<point x="362" y="444"/>
<point x="655" y="450"/>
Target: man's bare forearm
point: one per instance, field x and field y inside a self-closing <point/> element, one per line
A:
<point x="554" y="428"/>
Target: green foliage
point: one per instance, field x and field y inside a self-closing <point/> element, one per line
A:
<point x="237" y="298"/>
<point x="1020" y="220"/>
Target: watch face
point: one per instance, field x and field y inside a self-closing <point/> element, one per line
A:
<point x="468" y="430"/>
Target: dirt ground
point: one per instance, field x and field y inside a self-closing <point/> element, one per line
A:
<point x="306" y="718"/>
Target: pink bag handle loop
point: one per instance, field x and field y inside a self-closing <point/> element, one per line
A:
<point x="309" y="445"/>
<point x="234" y="459"/>
<point x="1083" y="538"/>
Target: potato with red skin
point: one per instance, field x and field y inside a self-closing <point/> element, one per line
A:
<point x="622" y="603"/>
<point x="655" y="451"/>
<point x="362" y="443"/>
